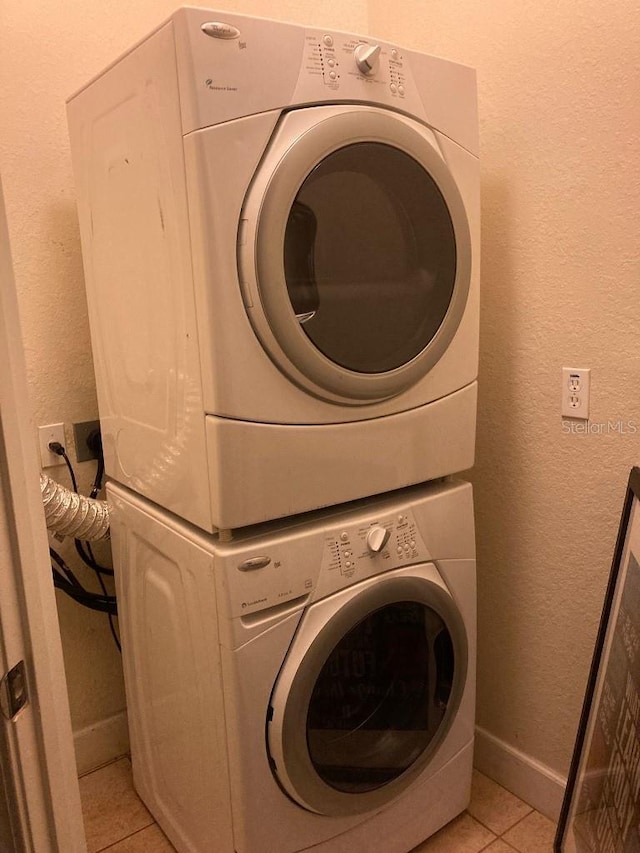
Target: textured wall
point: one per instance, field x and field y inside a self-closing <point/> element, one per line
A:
<point x="47" y="51"/>
<point x="561" y="194"/>
<point x="560" y="135"/>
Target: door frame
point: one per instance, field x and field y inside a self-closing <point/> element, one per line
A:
<point x="37" y="744"/>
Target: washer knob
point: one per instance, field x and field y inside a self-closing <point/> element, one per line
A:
<point x="377" y="538"/>
<point x="367" y="58"/>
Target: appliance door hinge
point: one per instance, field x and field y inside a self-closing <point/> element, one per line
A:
<point x="13" y="691"/>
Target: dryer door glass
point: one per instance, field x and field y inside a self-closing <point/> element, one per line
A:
<point x="380" y="697"/>
<point x="370" y="257"/>
<point x="354" y="252"/>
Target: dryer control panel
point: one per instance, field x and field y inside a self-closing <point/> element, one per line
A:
<point x="355" y="68"/>
<point x="231" y="66"/>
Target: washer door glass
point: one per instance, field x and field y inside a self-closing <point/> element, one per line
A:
<point x="380" y="697"/>
<point x="368" y="692"/>
<point x="370" y="257"/>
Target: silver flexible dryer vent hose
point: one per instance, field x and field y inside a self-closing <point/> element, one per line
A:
<point x="70" y="514"/>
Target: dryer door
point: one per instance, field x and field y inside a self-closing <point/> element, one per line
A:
<point x="368" y="692"/>
<point x="354" y="252"/>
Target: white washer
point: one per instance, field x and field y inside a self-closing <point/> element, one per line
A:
<point x="309" y="686"/>
<point x="280" y="230"/>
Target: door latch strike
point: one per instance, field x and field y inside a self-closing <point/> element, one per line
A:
<point x="13" y="691"/>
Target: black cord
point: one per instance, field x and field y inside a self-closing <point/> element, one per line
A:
<point x="63" y="577"/>
<point x="94" y="443"/>
<point x="87" y="556"/>
<point x="86" y="600"/>
<point x="58" y="449"/>
<point x="62" y="566"/>
<point x="89" y="560"/>
<point x="97" y="483"/>
<point x="114" y="633"/>
<point x="99" y="572"/>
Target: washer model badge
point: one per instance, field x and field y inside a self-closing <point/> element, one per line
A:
<point x="218" y="30"/>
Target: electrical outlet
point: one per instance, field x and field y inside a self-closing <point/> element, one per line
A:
<point x="46" y="434"/>
<point x="81" y="433"/>
<point x="575" y="392"/>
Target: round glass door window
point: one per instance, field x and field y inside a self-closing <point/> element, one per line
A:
<point x="381" y="697"/>
<point x="370" y="257"/>
<point x="354" y="252"/>
<point x="358" y="715"/>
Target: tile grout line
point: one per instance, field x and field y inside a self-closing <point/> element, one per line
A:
<point x="517" y="823"/>
<point x="483" y="825"/>
<point x="508" y="843"/>
<point x="124" y="837"/>
<point x="486" y="846"/>
<point x="496" y="836"/>
<point x="508" y="829"/>
<point x="500" y="838"/>
<point x="123" y="757"/>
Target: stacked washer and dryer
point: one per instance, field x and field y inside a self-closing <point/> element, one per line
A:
<point x="280" y="230"/>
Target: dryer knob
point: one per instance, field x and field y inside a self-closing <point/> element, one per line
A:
<point x="377" y="538"/>
<point x="367" y="58"/>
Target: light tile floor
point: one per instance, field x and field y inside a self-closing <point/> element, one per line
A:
<point x="496" y="821"/>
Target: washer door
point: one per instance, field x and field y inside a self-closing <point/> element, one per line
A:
<point x="354" y="252"/>
<point x="368" y="691"/>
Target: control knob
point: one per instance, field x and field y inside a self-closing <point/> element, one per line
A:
<point x="367" y="58"/>
<point x="377" y="538"/>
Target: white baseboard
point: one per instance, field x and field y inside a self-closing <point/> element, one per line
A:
<point x="528" y="779"/>
<point x="101" y="743"/>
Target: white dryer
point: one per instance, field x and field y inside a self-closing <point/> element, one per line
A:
<point x="304" y="687"/>
<point x="280" y="230"/>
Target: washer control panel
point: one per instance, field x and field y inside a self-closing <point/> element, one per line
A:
<point x="321" y="560"/>
<point x="362" y="550"/>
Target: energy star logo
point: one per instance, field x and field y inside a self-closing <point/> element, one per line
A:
<point x="211" y="84"/>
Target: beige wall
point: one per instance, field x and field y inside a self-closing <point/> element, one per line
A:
<point x="561" y="194"/>
<point x="560" y="139"/>
<point x="47" y="51"/>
